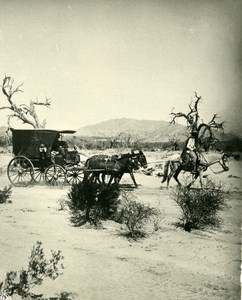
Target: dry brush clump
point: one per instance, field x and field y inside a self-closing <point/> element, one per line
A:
<point x="200" y="207"/>
<point x="5" y="194"/>
<point x="22" y="282"/>
<point x="136" y="215"/>
<point x="92" y="202"/>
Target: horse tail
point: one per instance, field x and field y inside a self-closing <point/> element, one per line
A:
<point x="166" y="169"/>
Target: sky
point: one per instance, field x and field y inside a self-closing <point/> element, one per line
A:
<point x="107" y="59"/>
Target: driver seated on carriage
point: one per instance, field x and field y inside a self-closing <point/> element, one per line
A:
<point x="190" y="153"/>
<point x="59" y="151"/>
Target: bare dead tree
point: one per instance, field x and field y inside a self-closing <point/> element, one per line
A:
<point x="174" y="142"/>
<point x="115" y="140"/>
<point x="25" y="113"/>
<point x="194" y="122"/>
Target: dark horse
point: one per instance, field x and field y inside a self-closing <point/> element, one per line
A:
<point x="173" y="167"/>
<point x="113" y="167"/>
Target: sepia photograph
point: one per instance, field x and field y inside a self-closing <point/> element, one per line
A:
<point x="120" y="149"/>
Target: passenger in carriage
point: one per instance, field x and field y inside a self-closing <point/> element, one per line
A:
<point x="42" y="154"/>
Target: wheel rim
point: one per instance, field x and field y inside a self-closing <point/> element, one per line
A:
<point x="20" y="171"/>
<point x="55" y="175"/>
<point x="74" y="176"/>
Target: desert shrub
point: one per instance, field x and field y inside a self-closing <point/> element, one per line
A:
<point x="65" y="296"/>
<point x="92" y="202"/>
<point x="39" y="268"/>
<point x="4" y="141"/>
<point x="200" y="207"/>
<point x="136" y="215"/>
<point x="5" y="194"/>
<point x="62" y="203"/>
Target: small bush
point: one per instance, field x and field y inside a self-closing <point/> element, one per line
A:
<point x="92" y="202"/>
<point x="200" y="207"/>
<point x="5" y="194"/>
<point x="136" y="215"/>
<point x="62" y="203"/>
<point x="23" y="281"/>
<point x="4" y="140"/>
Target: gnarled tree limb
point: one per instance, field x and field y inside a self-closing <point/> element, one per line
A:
<point x="205" y="130"/>
<point x="25" y="113"/>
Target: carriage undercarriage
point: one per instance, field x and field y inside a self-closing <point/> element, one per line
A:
<point x="22" y="172"/>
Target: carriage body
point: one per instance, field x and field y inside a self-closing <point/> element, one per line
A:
<point x="40" y="154"/>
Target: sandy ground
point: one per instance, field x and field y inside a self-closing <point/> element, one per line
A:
<point x="102" y="264"/>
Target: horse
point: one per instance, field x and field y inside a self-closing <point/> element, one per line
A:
<point x="113" y="166"/>
<point x="172" y="168"/>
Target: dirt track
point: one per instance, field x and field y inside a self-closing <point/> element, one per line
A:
<point x="101" y="264"/>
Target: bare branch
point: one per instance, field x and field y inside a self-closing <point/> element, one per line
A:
<point x="5" y="107"/>
<point x="197" y="101"/>
<point x="46" y="103"/>
<point x="22" y="112"/>
<point x="214" y="124"/>
<point x="178" y="115"/>
<point x="205" y="130"/>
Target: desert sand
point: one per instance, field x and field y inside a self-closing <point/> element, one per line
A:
<point x="102" y="264"/>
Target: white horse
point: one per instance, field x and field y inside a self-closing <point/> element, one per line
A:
<point x="174" y="166"/>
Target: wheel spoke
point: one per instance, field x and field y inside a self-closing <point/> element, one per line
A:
<point x="39" y="175"/>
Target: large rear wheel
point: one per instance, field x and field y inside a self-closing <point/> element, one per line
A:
<point x="20" y="171"/>
<point x="55" y="175"/>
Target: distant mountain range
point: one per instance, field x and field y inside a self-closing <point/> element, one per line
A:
<point x="145" y="130"/>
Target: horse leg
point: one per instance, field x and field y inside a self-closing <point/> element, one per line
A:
<point x="86" y="176"/>
<point x="177" y="172"/>
<point x="110" y="179"/>
<point x="169" y="176"/>
<point x="201" y="178"/>
<point x="166" y="175"/>
<point x="92" y="178"/>
<point x="132" y="176"/>
<point x="195" y="178"/>
<point x="165" y="172"/>
<point x="118" y="178"/>
<point x="103" y="175"/>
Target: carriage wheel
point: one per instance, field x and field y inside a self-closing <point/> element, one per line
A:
<point x="55" y="175"/>
<point x="74" y="176"/>
<point x="20" y="171"/>
<point x="39" y="175"/>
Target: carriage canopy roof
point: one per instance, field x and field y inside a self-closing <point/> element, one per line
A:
<point x="27" y="141"/>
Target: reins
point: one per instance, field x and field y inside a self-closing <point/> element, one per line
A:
<point x="212" y="163"/>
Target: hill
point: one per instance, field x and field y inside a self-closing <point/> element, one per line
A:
<point x="146" y="130"/>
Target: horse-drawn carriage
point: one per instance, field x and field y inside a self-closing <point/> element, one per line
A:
<point x="43" y="155"/>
